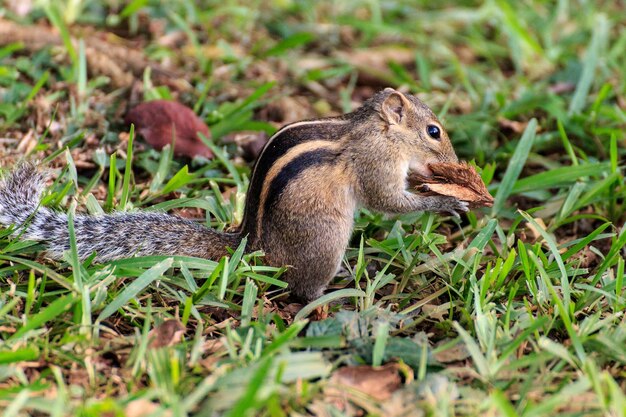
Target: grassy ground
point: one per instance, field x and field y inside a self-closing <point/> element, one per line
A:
<point x="513" y="311"/>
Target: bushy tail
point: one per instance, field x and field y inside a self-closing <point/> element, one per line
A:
<point x="111" y="236"/>
<point x="20" y="192"/>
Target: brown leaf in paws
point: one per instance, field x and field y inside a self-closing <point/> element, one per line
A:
<point x="458" y="180"/>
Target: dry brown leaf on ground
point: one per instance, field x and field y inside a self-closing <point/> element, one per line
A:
<point x="250" y="143"/>
<point x="144" y="408"/>
<point x="454" y="353"/>
<point x="372" y="64"/>
<point x="161" y="122"/>
<point x="377" y="382"/>
<point x="168" y="333"/>
<point x="458" y="180"/>
<point x="513" y="125"/>
<point x="106" y="54"/>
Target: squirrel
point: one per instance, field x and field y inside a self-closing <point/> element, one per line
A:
<point x="306" y="185"/>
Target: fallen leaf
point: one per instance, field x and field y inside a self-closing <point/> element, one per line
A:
<point x="27" y="143"/>
<point x="536" y="233"/>
<point x="159" y="120"/>
<point x="320" y="313"/>
<point x="165" y="334"/>
<point x="287" y="110"/>
<point x="143" y="408"/>
<point x="250" y="143"/>
<point x="106" y="53"/>
<point x="455" y="353"/>
<point x="586" y="257"/>
<point x="291" y="309"/>
<point x="515" y="126"/>
<point x="562" y="87"/>
<point x="437" y="312"/>
<point x="372" y="64"/>
<point x="377" y="382"/>
<point x="458" y="180"/>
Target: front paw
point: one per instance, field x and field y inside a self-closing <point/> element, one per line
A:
<point x="453" y="206"/>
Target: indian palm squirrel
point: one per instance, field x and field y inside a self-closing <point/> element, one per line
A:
<point x="305" y="188"/>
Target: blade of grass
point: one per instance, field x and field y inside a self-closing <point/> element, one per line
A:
<point x="590" y="62"/>
<point x="248" y="399"/>
<point x="516" y="164"/>
<point x="561" y="310"/>
<point x="54" y="15"/>
<point x="477" y="356"/>
<point x="503" y="405"/>
<point x="249" y="300"/>
<point x="52" y="311"/>
<point x="128" y="169"/>
<point x="382" y="335"/>
<point x="290" y="43"/>
<point x="565" y="286"/>
<point x="325" y="299"/>
<point x="136" y="287"/>
<point x="558" y="177"/>
<point x="26" y="353"/>
<point x="78" y="276"/>
<point x="18" y="403"/>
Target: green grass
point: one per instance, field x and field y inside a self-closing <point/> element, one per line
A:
<point x="514" y="311"/>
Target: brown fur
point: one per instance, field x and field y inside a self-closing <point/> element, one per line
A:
<point x="310" y="226"/>
<point x="305" y="188"/>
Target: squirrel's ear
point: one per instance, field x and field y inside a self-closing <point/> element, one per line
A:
<point x="394" y="108"/>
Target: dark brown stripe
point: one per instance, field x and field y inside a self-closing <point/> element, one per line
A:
<point x="279" y="145"/>
<point x="292" y="171"/>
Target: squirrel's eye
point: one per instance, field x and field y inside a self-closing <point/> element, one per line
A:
<point x="433" y="132"/>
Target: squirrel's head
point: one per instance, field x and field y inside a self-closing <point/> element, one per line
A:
<point x="414" y="130"/>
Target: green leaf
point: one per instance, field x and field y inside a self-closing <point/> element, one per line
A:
<point x="136" y="287"/>
<point x="283" y="338"/>
<point x="179" y="180"/>
<point x="474" y="350"/>
<point x="325" y="299"/>
<point x="382" y="334"/>
<point x="248" y="399"/>
<point x="249" y="300"/>
<point x="55" y="309"/>
<point x="291" y="42"/>
<point x="584" y="241"/>
<point x="565" y="287"/>
<point x="503" y="405"/>
<point x="558" y="177"/>
<point x="54" y="15"/>
<point x="25" y="353"/>
<point x="483" y="237"/>
<point x="590" y="62"/>
<point x="128" y="170"/>
<point x="132" y="8"/>
<point x="516" y="164"/>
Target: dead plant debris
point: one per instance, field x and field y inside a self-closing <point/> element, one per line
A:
<point x="458" y="180"/>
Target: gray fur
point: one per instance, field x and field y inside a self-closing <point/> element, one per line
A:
<point x="112" y="236"/>
<point x="299" y="209"/>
